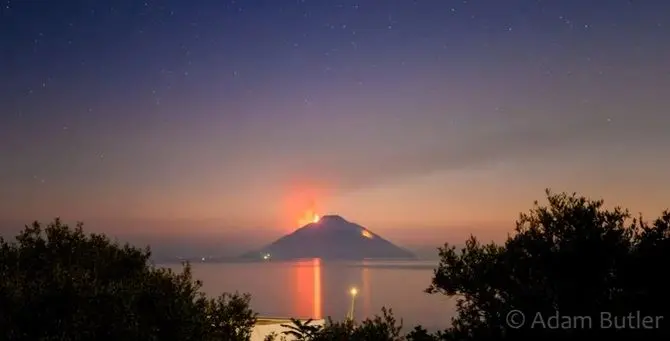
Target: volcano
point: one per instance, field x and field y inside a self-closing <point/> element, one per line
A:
<point x="331" y="238"/>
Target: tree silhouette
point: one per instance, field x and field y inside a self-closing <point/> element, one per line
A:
<point x="378" y="328"/>
<point x="382" y="328"/>
<point x="301" y="331"/>
<point x="570" y="259"/>
<point x="56" y="283"/>
<point x="229" y="317"/>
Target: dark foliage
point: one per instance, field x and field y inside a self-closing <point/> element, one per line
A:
<point x="56" y="283"/>
<point x="572" y="260"/>
<point x="301" y="331"/>
<point x="379" y="328"/>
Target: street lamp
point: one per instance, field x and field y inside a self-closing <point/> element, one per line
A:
<point x="353" y="292"/>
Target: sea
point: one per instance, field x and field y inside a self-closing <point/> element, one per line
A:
<point x="318" y="289"/>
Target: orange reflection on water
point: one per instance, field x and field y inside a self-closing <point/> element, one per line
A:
<point x="308" y="288"/>
<point x="365" y="274"/>
<point x="316" y="263"/>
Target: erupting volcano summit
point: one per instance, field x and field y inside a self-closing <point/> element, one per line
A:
<point x="331" y="238"/>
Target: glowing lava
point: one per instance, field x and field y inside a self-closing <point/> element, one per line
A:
<point x="308" y="218"/>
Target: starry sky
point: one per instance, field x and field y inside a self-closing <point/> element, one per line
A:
<point x="410" y="117"/>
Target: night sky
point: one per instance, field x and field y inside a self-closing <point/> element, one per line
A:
<point x="391" y="113"/>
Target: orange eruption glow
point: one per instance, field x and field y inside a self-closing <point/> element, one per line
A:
<point x="308" y="218"/>
<point x="301" y="203"/>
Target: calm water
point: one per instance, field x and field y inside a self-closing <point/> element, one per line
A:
<point x="317" y="289"/>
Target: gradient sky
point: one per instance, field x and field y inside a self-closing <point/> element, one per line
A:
<point x="395" y="114"/>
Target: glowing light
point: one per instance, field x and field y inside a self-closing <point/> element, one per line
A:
<point x="309" y="218"/>
<point x="366" y="234"/>
<point x="266" y="256"/>
<point x="307" y="295"/>
<point x="316" y="265"/>
<point x="353" y="292"/>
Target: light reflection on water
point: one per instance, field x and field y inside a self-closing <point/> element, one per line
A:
<point x="317" y="289"/>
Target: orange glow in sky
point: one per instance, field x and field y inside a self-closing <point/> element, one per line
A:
<point x="301" y="204"/>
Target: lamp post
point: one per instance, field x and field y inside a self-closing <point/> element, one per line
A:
<point x="353" y="292"/>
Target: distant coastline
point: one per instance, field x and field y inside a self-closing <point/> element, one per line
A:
<point x="418" y="264"/>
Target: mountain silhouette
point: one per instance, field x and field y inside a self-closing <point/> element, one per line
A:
<point x="331" y="238"/>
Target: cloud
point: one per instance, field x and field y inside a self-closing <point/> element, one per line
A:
<point x="353" y="172"/>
